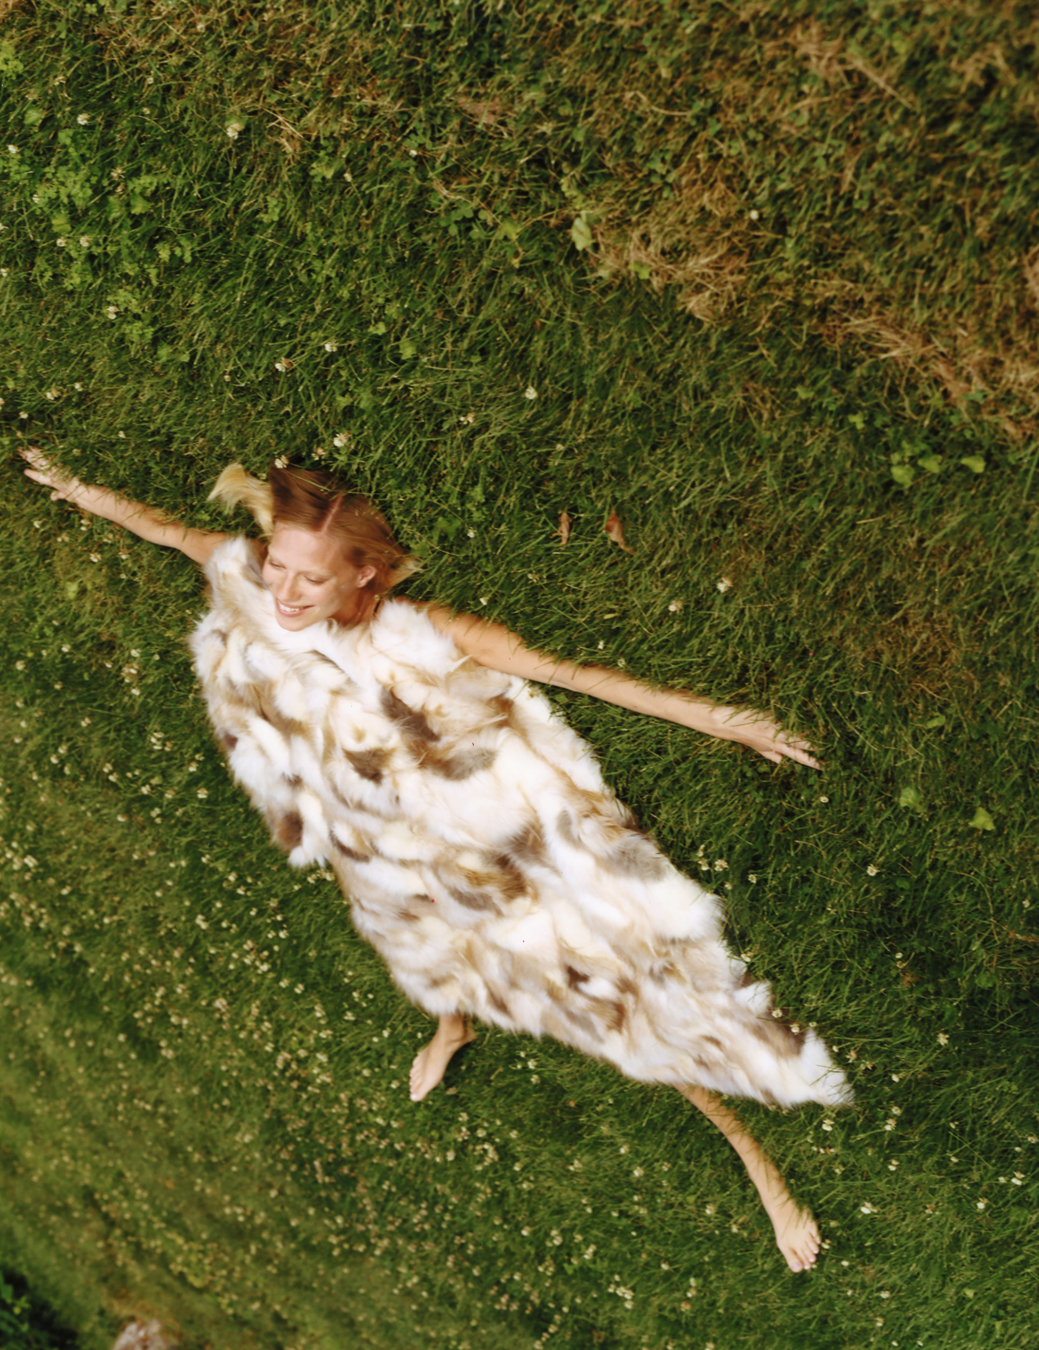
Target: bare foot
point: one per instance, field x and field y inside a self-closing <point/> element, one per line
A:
<point x="431" y="1063"/>
<point x="797" y="1235"/>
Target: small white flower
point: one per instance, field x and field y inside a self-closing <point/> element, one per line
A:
<point x="84" y="241"/>
<point x="469" y="418"/>
<point x="824" y="799"/>
<point x="890" y="1123"/>
<point x="710" y="1209"/>
<point x="331" y="346"/>
<point x="3" y="271"/>
<point x="60" y="243"/>
<point x="77" y="385"/>
<point x="752" y="877"/>
<point x="112" y="311"/>
<point x="871" y="871"/>
<point x="483" y="599"/>
<point x="281" y="462"/>
<point x="83" y="119"/>
<point x="827" y="1125"/>
<point x="234" y="129"/>
<point x="1017" y="1179"/>
<point x="12" y="150"/>
<point x="675" y="607"/>
<point x="471" y="532"/>
<point x="52" y="394"/>
<point x="203" y="794"/>
<point x="895" y="1077"/>
<point x="282" y="364"/>
<point x="23" y="415"/>
<point x="720" y="865"/>
<point x="982" y="1204"/>
<point x="885" y="1293"/>
<point x="943" y="1039"/>
<point x="530" y="392"/>
<point x="724" y="585"/>
<point x="867" y="1208"/>
<point x="755" y="215"/>
<point x="340" y="439"/>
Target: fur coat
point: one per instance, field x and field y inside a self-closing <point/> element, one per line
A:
<point x="481" y="851"/>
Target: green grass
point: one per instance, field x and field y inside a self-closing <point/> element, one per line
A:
<point x="831" y="405"/>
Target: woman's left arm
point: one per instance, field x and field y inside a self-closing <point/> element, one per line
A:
<point x="495" y="646"/>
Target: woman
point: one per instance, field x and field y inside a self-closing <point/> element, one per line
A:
<point x="482" y="854"/>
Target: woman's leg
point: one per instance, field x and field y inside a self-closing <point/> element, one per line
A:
<point x="430" y="1064"/>
<point x="796" y="1233"/>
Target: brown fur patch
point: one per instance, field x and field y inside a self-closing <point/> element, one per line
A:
<point x="346" y="851"/>
<point x="368" y="764"/>
<point x="456" y="768"/>
<point x="227" y="739"/>
<point x="411" y="723"/>
<point x="288" y="832"/>
<point x="480" y="904"/>
<point x="574" y="978"/>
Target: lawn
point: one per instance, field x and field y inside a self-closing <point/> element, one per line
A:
<point x="760" y="279"/>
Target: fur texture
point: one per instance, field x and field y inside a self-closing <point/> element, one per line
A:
<point x="482" y="853"/>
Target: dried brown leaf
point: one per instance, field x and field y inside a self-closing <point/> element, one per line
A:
<point x="615" y="532"/>
<point x="564" y="528"/>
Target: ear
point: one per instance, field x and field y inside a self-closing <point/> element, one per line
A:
<point x="365" y="575"/>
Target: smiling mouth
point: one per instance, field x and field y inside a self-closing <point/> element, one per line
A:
<point x="290" y="611"/>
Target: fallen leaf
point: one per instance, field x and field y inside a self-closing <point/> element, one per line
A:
<point x="982" y="820"/>
<point x="564" y="528"/>
<point x="616" y="533"/>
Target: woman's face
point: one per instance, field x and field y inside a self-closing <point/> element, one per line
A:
<point x="310" y="580"/>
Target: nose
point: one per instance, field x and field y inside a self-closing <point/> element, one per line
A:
<point x="286" y="590"/>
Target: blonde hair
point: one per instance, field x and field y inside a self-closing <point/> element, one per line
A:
<point x="310" y="499"/>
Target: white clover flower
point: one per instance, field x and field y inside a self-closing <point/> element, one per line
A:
<point x="710" y="1209"/>
<point x="943" y="1039"/>
<point x="203" y="794"/>
<point x="1017" y="1179"/>
<point x="12" y="150"/>
<point x="234" y="129"/>
<point x="52" y="394"/>
<point x="112" y="311"/>
<point x="282" y="364"/>
<point x="60" y="242"/>
<point x="331" y="346"/>
<point x="78" y="385"/>
<point x="827" y="1125"/>
<point x="755" y="215"/>
<point x="530" y="392"/>
<point x="871" y="871"/>
<point x="720" y="865"/>
<point x="867" y="1208"/>
<point x="824" y="799"/>
<point x="281" y="462"/>
<point x="885" y="1293"/>
<point x="3" y="271"/>
<point x="675" y="607"/>
<point x="982" y="1204"/>
<point x="23" y="415"/>
<point x="84" y="241"/>
<point x="340" y="439"/>
<point x="752" y="877"/>
<point x="724" y="585"/>
<point x="890" y="1123"/>
<point x="83" y="119"/>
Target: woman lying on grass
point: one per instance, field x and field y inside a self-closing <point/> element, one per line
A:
<point x="482" y="853"/>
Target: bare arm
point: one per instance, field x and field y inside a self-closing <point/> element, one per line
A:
<point x="134" y="516"/>
<point x="495" y="646"/>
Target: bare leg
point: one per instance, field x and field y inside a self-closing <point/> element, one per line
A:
<point x="796" y="1233"/>
<point x="430" y="1064"/>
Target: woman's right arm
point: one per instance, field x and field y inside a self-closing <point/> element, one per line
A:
<point x="135" y="516"/>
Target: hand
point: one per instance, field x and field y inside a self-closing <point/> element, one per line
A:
<point x="65" y="487"/>
<point x="760" y="733"/>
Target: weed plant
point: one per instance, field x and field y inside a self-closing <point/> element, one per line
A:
<point x="761" y="279"/>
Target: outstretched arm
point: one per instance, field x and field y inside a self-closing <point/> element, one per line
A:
<point x="135" y="516"/>
<point x="493" y="645"/>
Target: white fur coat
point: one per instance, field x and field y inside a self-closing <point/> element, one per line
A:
<point x="482" y="853"/>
